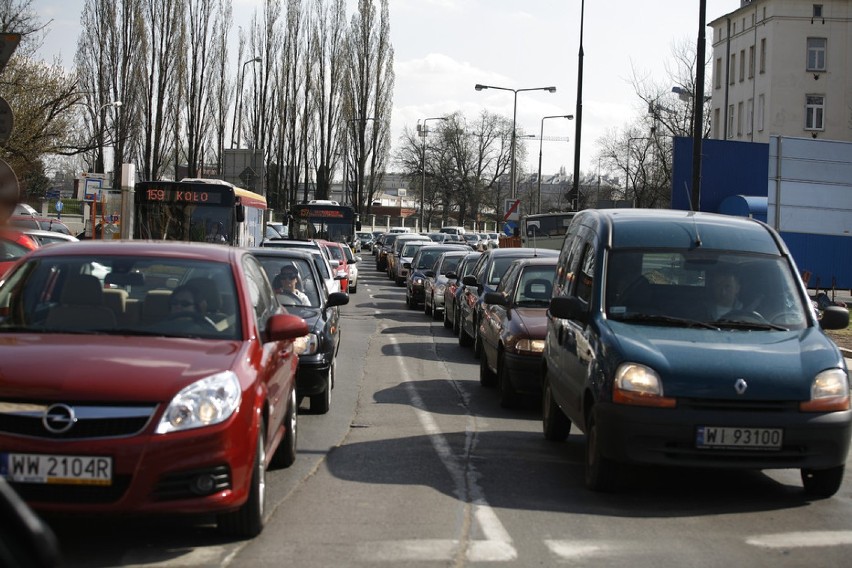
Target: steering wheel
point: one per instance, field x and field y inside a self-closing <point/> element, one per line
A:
<point x="785" y="316"/>
<point x="290" y="294"/>
<point x="192" y="320"/>
<point x="749" y="316"/>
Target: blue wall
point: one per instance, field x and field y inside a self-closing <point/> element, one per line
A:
<point x="727" y="168"/>
<point x="734" y="179"/>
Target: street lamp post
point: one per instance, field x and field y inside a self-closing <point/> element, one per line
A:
<point x="541" y="149"/>
<point x="236" y="131"/>
<point x="479" y="87"/>
<point x="424" y="132"/>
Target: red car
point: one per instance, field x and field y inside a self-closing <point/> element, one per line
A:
<point x="41" y="223"/>
<point x="143" y="377"/>
<point x="336" y="252"/>
<point x="512" y="329"/>
<point x="13" y="245"/>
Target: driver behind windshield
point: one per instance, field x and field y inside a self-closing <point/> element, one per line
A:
<point x="286" y="283"/>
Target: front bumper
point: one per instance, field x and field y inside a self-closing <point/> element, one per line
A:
<point x="151" y="473"/>
<point x="524" y="372"/>
<point x="668" y="436"/>
<point x="312" y="374"/>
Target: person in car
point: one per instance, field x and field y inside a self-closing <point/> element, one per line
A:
<point x="725" y="289"/>
<point x="286" y="283"/>
<point x="183" y="301"/>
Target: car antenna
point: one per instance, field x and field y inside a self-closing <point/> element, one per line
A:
<point x="692" y="213"/>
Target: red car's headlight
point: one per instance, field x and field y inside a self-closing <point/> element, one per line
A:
<point x="208" y="401"/>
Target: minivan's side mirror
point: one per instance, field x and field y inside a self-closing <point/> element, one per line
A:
<point x="834" y="317"/>
<point x="568" y="308"/>
<point x="469" y="280"/>
<point x="451" y="275"/>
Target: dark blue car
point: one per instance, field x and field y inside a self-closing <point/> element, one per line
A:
<point x="688" y="339"/>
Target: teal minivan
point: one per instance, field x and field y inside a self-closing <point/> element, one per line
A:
<point x="688" y="339"/>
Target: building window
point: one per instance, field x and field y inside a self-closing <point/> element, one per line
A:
<point x="717" y="79"/>
<point x="763" y="55"/>
<point x="733" y="67"/>
<point x="730" y="121"/>
<point x="751" y="62"/>
<point x="814" y="112"/>
<point x="716" y="123"/>
<point x="742" y="65"/>
<point x="749" y="116"/>
<point x="761" y="108"/>
<point x="740" y="118"/>
<point x="816" y="53"/>
<point x="817" y="10"/>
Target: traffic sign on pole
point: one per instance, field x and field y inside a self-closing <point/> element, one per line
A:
<point x="512" y="213"/>
<point x="8" y="45"/>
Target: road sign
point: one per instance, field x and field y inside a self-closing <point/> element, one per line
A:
<point x="509" y="228"/>
<point x="247" y="176"/>
<point x="8" y="45"/>
<point x="7" y="121"/>
<point x="512" y="211"/>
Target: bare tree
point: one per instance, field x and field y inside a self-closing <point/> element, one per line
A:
<point x="165" y="31"/>
<point x="203" y="62"/>
<point x="328" y="55"/>
<point x="110" y="63"/>
<point x="641" y="153"/>
<point x="19" y="16"/>
<point x="464" y="165"/>
<point x="369" y="88"/>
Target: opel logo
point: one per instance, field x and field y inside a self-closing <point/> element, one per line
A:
<point x="740" y="386"/>
<point x="58" y="418"/>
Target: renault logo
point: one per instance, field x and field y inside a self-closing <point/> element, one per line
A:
<point x="740" y="386"/>
<point x="58" y="418"/>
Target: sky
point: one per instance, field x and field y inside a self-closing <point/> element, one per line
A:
<point x="443" y="48"/>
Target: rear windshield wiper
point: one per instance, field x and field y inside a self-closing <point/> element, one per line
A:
<point x="660" y="319"/>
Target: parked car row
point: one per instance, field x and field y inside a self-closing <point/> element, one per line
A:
<point x="668" y="338"/>
<point x="183" y="366"/>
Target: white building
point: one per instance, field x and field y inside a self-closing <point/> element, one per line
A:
<point x="783" y="67"/>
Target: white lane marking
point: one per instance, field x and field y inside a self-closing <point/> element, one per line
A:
<point x="497" y="546"/>
<point x="801" y="539"/>
<point x="576" y="549"/>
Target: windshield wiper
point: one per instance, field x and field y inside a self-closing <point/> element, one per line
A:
<point x="739" y="324"/>
<point x="655" y="318"/>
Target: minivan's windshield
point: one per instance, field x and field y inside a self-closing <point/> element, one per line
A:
<point x="726" y="289"/>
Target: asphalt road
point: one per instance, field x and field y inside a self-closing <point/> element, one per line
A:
<point x="417" y="465"/>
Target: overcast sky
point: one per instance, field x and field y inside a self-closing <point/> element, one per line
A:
<point x="444" y="47"/>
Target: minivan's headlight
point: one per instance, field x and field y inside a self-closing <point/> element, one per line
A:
<point x="208" y="401"/>
<point x="639" y="385"/>
<point x="829" y="392"/>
